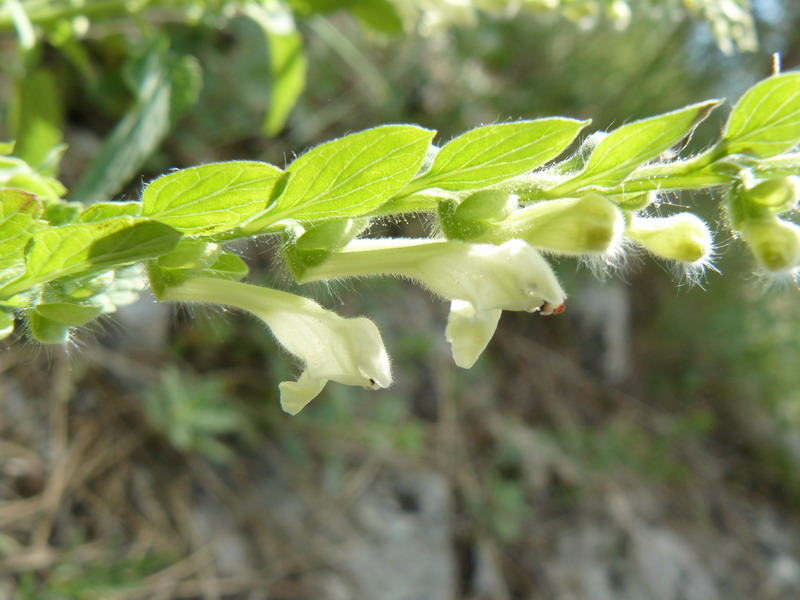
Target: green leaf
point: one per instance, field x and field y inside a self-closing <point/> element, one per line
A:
<point x="87" y="247"/>
<point x="766" y="120"/>
<point x="628" y="147"/>
<point x="287" y="61"/>
<point x="166" y="84"/>
<point x="353" y="175"/>
<point x="108" y="210"/>
<point x="211" y="198"/>
<point x="494" y="153"/>
<point x="136" y="135"/>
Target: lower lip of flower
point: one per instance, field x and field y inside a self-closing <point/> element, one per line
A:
<point x="548" y="308"/>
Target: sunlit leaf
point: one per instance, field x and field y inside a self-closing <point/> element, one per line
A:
<point x="211" y="198"/>
<point x="86" y="247"/>
<point x="766" y="120"/>
<point x="628" y="147"/>
<point x="495" y="153"/>
<point x="353" y="175"/>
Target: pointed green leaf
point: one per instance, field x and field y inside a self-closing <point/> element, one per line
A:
<point x="211" y="198"/>
<point x="494" y="153"/>
<point x="287" y="60"/>
<point x="87" y="247"/>
<point x="630" y="146"/>
<point x="766" y="120"/>
<point x="353" y="175"/>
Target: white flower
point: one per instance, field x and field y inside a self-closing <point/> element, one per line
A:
<point x="331" y="347"/>
<point x="481" y="280"/>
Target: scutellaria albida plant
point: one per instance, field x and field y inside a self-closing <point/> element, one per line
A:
<point x="503" y="197"/>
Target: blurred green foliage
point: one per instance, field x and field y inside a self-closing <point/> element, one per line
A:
<point x="192" y="412"/>
<point x="96" y="580"/>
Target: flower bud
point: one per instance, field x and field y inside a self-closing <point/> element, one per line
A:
<point x="778" y="195"/>
<point x="310" y="246"/>
<point x="474" y="216"/>
<point x="774" y="243"/>
<point x="587" y="225"/>
<point x="683" y="237"/>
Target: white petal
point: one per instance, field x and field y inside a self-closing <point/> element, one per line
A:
<point x="296" y="394"/>
<point x="348" y="351"/>
<point x="512" y="276"/>
<point x="469" y="332"/>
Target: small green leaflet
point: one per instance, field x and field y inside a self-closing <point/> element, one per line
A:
<point x="87" y="247"/>
<point x="621" y="151"/>
<point x="766" y="120"/>
<point x="211" y="198"/>
<point x="353" y="175"/>
<point x="494" y="153"/>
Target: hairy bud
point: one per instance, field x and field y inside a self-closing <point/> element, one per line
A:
<point x="777" y="195"/>
<point x="683" y="237"/>
<point x="775" y="243"/>
<point x="588" y="225"/>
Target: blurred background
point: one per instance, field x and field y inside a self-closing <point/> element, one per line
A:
<point x="644" y="445"/>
